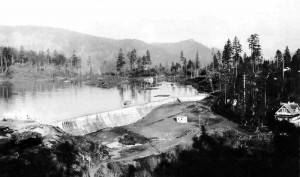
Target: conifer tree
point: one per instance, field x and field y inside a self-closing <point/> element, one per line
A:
<point x="148" y="58"/>
<point x="120" y="60"/>
<point x="227" y="54"/>
<point x="237" y="49"/>
<point x="278" y="58"/>
<point x="255" y="49"/>
<point x="184" y="62"/>
<point x="197" y="64"/>
<point x="287" y="57"/>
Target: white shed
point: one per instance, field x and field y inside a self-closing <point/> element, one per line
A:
<point x="181" y="119"/>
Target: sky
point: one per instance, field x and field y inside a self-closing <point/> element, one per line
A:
<point x="210" y="22"/>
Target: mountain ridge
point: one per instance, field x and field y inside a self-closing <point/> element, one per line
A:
<point x="99" y="48"/>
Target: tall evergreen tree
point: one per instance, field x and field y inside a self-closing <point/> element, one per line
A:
<point x="172" y="69"/>
<point x="6" y="59"/>
<point x="120" y="60"/>
<point x="148" y="58"/>
<point x="255" y="49"/>
<point x="197" y="63"/>
<point x="75" y="60"/>
<point x="132" y="57"/>
<point x="184" y="62"/>
<point x="139" y="63"/>
<point x="48" y="56"/>
<point x="190" y="67"/>
<point x="227" y="54"/>
<point x="278" y="58"/>
<point x="216" y="62"/>
<point x="295" y="64"/>
<point x="287" y="57"/>
<point x="144" y="62"/>
<point x="237" y="49"/>
<point x="21" y="55"/>
<point x="219" y="58"/>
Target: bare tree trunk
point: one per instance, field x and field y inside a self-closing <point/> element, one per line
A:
<point x="235" y="69"/>
<point x="225" y="95"/>
<point x="253" y="65"/>
<point x="2" y="63"/>
<point x="220" y="81"/>
<point x="6" y="68"/>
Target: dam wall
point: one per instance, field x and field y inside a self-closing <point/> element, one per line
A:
<point x="95" y="122"/>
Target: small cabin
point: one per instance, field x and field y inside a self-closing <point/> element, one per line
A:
<point x="288" y="111"/>
<point x="181" y="119"/>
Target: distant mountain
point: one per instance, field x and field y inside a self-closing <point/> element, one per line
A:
<point x="99" y="48"/>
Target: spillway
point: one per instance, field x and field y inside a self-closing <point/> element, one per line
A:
<point x="95" y="122"/>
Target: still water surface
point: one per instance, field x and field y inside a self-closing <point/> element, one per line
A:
<point x="53" y="101"/>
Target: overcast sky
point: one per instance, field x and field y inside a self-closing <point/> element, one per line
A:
<point x="210" y="22"/>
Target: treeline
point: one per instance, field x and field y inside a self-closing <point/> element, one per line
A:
<point x="133" y="63"/>
<point x="186" y="67"/>
<point x="40" y="61"/>
<point x="137" y="64"/>
<point x="252" y="87"/>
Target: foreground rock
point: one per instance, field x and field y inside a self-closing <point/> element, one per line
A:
<point x="43" y="150"/>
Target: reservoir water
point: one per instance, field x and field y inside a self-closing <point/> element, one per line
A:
<point x="53" y="101"/>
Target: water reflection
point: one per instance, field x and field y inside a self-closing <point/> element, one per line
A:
<point x="52" y="101"/>
<point x="6" y="90"/>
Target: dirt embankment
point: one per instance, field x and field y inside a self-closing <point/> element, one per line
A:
<point x="157" y="133"/>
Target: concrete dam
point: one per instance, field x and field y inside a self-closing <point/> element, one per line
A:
<point x="95" y="122"/>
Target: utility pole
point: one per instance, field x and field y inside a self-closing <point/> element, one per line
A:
<point x="220" y="81"/>
<point x="212" y="55"/>
<point x="225" y="95"/>
<point x="199" y="123"/>
<point x="283" y="68"/>
<point x="244" y="90"/>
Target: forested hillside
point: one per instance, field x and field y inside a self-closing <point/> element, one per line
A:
<point x="101" y="51"/>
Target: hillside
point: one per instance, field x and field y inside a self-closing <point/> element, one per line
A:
<point x="100" y="49"/>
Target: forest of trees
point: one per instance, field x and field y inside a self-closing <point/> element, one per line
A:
<point x="258" y="85"/>
<point x="39" y="61"/>
<point x="137" y="64"/>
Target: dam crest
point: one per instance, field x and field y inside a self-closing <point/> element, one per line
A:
<point x="92" y="123"/>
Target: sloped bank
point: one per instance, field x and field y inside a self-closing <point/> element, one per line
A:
<point x="95" y="122"/>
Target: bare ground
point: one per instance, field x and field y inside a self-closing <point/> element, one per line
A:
<point x="159" y="131"/>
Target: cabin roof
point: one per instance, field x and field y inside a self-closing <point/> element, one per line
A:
<point x="291" y="107"/>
